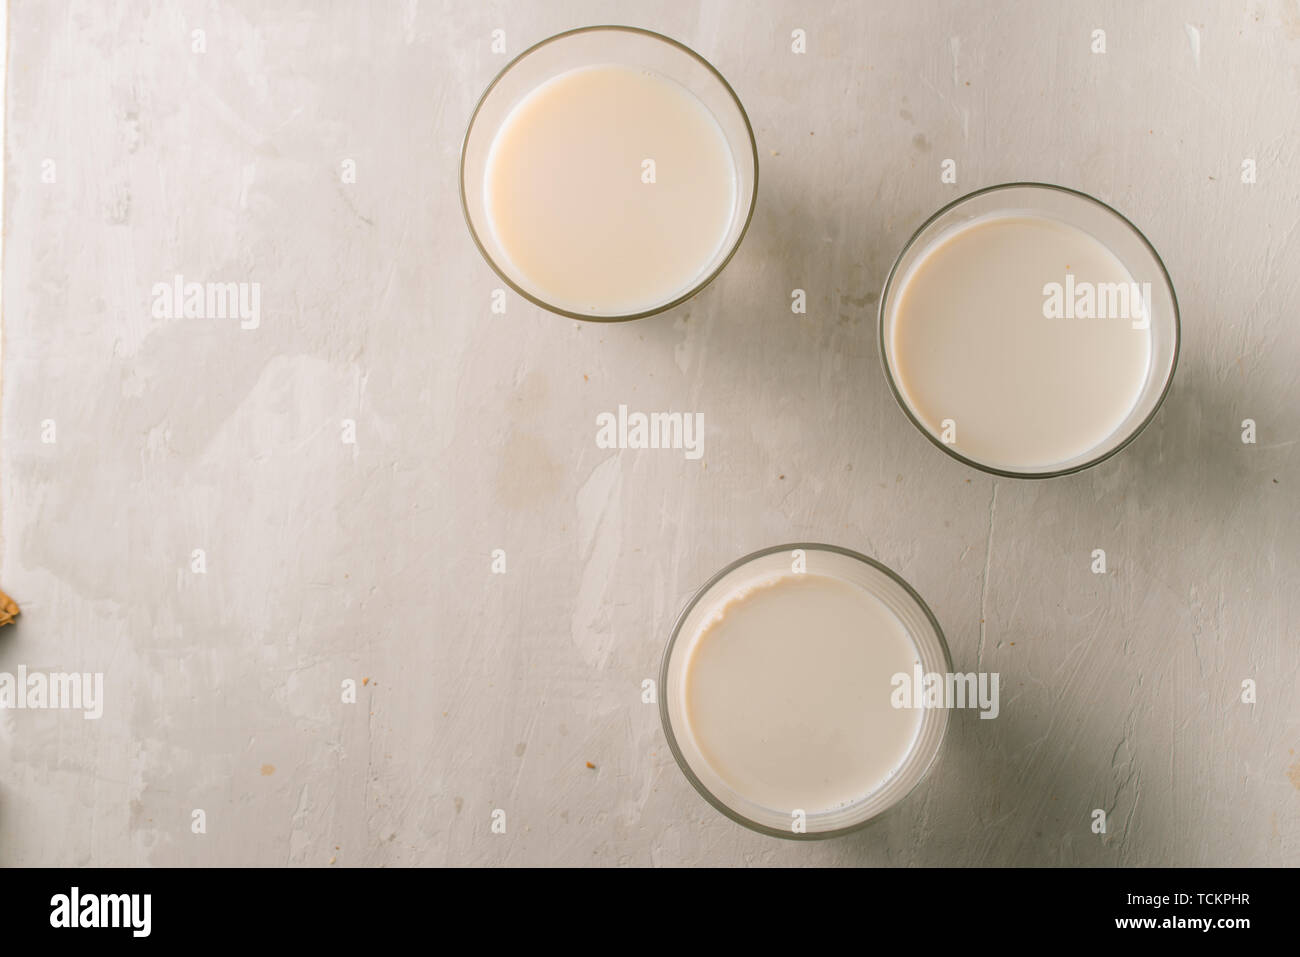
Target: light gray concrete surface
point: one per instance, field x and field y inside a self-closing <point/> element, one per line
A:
<point x="328" y="561"/>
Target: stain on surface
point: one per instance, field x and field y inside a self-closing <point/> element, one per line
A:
<point x="527" y="476"/>
<point x="861" y="302"/>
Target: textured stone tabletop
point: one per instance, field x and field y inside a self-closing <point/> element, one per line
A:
<point x="231" y="523"/>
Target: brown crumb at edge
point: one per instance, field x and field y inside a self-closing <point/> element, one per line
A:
<point x="9" y="610"/>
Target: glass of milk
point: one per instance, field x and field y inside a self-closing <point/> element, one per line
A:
<point x="777" y="686"/>
<point x="608" y="173"/>
<point x="1029" y="330"/>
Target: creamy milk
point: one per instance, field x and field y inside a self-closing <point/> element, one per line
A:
<point x="970" y="343"/>
<point x="787" y="693"/>
<point x="567" y="199"/>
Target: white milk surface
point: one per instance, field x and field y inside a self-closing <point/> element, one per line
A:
<point x="567" y="199"/>
<point x="971" y="344"/>
<point x="787" y="693"/>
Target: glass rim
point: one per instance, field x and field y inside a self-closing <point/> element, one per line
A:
<point x="696" y="287"/>
<point x="1012" y="473"/>
<point x="665" y="720"/>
